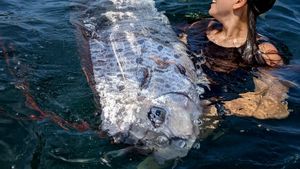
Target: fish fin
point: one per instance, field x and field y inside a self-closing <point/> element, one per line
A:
<point x="108" y="157"/>
<point x="79" y="160"/>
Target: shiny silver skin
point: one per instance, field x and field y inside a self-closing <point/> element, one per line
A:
<point x="144" y="78"/>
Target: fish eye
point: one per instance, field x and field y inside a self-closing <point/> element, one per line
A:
<point x="157" y="116"/>
<point x="157" y="112"/>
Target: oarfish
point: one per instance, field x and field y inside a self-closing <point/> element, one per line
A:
<point x="143" y="76"/>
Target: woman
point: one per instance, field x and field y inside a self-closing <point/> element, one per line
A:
<point x="238" y="19"/>
<point x="231" y="48"/>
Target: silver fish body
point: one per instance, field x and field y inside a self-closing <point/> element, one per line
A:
<point x="144" y="77"/>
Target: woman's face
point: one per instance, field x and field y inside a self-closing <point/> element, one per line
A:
<point x="221" y="8"/>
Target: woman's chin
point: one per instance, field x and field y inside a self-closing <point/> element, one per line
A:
<point x="210" y="12"/>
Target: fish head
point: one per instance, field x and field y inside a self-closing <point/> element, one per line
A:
<point x="170" y="125"/>
<point x="181" y="125"/>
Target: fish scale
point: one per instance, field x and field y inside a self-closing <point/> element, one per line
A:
<point x="144" y="77"/>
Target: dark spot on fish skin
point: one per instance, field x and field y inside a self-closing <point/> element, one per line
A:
<point x="143" y="50"/>
<point x="119" y="50"/>
<point x="141" y="98"/>
<point x="108" y="79"/>
<point x="121" y="87"/>
<point x="167" y="86"/>
<point x="126" y="17"/>
<point x="103" y="50"/>
<point x="98" y="69"/>
<point x="159" y="80"/>
<point x="109" y="56"/>
<point x="181" y="69"/>
<point x="139" y="60"/>
<point x="146" y="78"/>
<point x="128" y="54"/>
<point x="176" y="56"/>
<point x="131" y="70"/>
<point x="162" y="64"/>
<point x="121" y="110"/>
<point x="100" y="62"/>
<point x="167" y="42"/>
<point x="118" y="101"/>
<point x="160" y="47"/>
<point x="110" y="73"/>
<point x="141" y="41"/>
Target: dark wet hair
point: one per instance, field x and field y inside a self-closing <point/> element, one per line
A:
<point x="261" y="6"/>
<point x="251" y="53"/>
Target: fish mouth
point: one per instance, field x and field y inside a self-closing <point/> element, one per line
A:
<point x="177" y="148"/>
<point x="164" y="148"/>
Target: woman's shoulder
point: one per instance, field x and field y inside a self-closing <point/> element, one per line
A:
<point x="269" y="52"/>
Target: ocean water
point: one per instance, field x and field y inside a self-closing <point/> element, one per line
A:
<point x="40" y="72"/>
